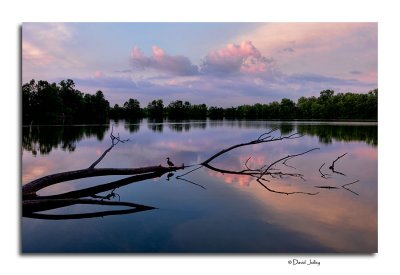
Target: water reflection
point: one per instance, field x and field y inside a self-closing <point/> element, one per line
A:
<point x="229" y="212"/>
<point x="156" y="125"/>
<point x="347" y="133"/>
<point x="33" y="207"/>
<point x="133" y="125"/>
<point x="43" y="139"/>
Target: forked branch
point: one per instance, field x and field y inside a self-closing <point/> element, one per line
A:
<point x="260" y="173"/>
<point x="332" y="167"/>
<point x="114" y="141"/>
<point x="266" y="137"/>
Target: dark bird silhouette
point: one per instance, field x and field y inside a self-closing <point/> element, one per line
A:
<point x="170" y="162"/>
<point x="169" y="175"/>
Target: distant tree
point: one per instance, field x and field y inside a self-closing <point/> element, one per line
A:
<point x="287" y="108"/>
<point x="72" y="99"/>
<point x="116" y="112"/>
<point x="132" y="109"/>
<point x="217" y="113"/>
<point x="326" y="95"/>
<point x="176" y="110"/>
<point x="274" y="109"/>
<point x="155" y="108"/>
<point x="29" y="101"/>
<point x="96" y="107"/>
<point x="198" y="111"/>
<point x="49" y="103"/>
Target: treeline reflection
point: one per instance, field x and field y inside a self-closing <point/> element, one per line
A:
<point x="347" y="133"/>
<point x="43" y="139"/>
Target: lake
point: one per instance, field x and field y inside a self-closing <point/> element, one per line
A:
<point x="303" y="207"/>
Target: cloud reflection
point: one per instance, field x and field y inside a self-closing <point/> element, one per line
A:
<point x="334" y="220"/>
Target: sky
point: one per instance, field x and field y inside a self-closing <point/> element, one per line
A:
<point x="219" y="64"/>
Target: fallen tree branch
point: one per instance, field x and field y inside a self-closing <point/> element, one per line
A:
<point x="282" y="159"/>
<point x="323" y="175"/>
<point x="114" y="141"/>
<point x="332" y="167"/>
<point x="261" y="139"/>
<point x="33" y="203"/>
<point x="260" y="173"/>
<point x="344" y="186"/>
<point x="30" y="189"/>
<point x="90" y="191"/>
<point x="31" y="207"/>
<point x="286" y="193"/>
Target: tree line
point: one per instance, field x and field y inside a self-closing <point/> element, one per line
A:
<point x="46" y="102"/>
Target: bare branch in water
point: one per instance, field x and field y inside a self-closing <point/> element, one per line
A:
<point x="287" y="165"/>
<point x="323" y="175"/>
<point x="347" y="184"/>
<point x="284" y="158"/>
<point x="285" y="193"/>
<point x="114" y="141"/>
<point x="33" y="203"/>
<point x="266" y="137"/>
<point x="332" y="167"/>
<point x="260" y="173"/>
<point x="343" y="186"/>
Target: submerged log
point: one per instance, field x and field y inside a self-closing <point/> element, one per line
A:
<point x="30" y="189"/>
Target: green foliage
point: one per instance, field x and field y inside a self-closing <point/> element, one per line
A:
<point x="185" y="110"/>
<point x="155" y="109"/>
<point x="49" y="102"/>
<point x="132" y="110"/>
<point x="46" y="102"/>
<point x="42" y="140"/>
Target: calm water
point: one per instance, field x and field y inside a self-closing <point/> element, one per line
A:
<point x="210" y="211"/>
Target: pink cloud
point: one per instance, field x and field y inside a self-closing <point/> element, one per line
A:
<point x="246" y="48"/>
<point x="35" y="55"/>
<point x="47" y="44"/>
<point x="158" y="53"/>
<point x="236" y="58"/>
<point x="242" y="180"/>
<point x="309" y="47"/>
<point x="172" y="82"/>
<point x="368" y="153"/>
<point x="99" y="74"/>
<point x="294" y="37"/>
<point x="161" y="61"/>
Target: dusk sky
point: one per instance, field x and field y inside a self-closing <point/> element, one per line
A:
<point x="223" y="64"/>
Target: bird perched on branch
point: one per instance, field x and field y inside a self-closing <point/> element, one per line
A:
<point x="170" y="162"/>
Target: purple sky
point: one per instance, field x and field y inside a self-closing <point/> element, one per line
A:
<point x="224" y="64"/>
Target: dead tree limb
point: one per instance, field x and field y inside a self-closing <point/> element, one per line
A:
<point x="90" y="191"/>
<point x="266" y="137"/>
<point x="344" y="186"/>
<point x="323" y="175"/>
<point x="33" y="203"/>
<point x="287" y="165"/>
<point x="114" y="141"/>
<point x="332" y="167"/>
<point x="285" y="193"/>
<point x="327" y="187"/>
<point x="259" y="173"/>
<point x="31" y="207"/>
<point x="30" y="189"/>
<point x="266" y="170"/>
